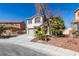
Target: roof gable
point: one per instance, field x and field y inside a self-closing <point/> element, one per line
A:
<point x="35" y="16"/>
<point x="76" y="10"/>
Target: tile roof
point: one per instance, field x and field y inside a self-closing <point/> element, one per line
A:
<point x="34" y="16"/>
<point x="11" y="22"/>
<point x="76" y="10"/>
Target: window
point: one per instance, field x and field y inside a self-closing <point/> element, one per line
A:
<point x="37" y="20"/>
<point x="29" y="21"/>
<point x="17" y="24"/>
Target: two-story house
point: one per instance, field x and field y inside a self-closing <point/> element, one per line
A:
<point x="19" y="26"/>
<point x="32" y="23"/>
<point x="75" y="23"/>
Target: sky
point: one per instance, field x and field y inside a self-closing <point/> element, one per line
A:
<point x="21" y="11"/>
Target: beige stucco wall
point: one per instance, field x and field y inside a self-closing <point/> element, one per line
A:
<point x="74" y="27"/>
<point x="76" y="15"/>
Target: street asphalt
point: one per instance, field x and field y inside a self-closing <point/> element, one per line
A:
<point x="8" y="49"/>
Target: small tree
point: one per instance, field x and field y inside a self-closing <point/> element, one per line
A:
<point x="57" y="26"/>
<point x="2" y="28"/>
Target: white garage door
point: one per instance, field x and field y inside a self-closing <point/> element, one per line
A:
<point x="31" y="32"/>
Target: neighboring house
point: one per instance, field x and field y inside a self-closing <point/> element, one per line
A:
<point x="32" y="23"/>
<point x="75" y="23"/>
<point x="17" y="26"/>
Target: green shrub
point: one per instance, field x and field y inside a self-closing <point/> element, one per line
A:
<point x="40" y="33"/>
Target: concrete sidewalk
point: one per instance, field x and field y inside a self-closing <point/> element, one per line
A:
<point x="50" y="50"/>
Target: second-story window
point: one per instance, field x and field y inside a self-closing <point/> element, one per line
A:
<point x="37" y="20"/>
<point x="29" y="21"/>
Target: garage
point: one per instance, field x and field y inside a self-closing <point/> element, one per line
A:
<point x="31" y="32"/>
